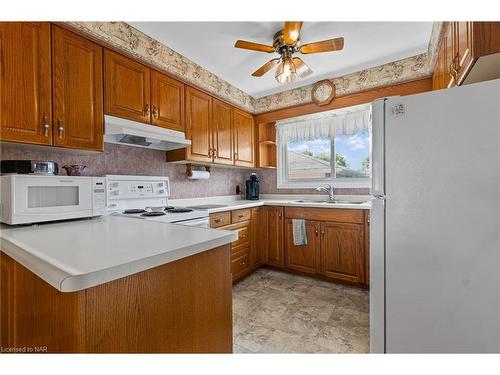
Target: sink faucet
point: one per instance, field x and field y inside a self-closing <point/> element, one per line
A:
<point x="328" y="189"/>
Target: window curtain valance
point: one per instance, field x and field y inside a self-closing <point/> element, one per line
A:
<point x="345" y="121"/>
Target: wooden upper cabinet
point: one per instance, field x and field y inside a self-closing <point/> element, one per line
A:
<point x="274" y="236"/>
<point x="199" y="125"/>
<point x="342" y="255"/>
<point x="167" y="99"/>
<point x="25" y="87"/>
<point x="222" y="132"/>
<point x="127" y="88"/>
<point x="243" y="138"/>
<point x="304" y="258"/>
<point x="77" y="91"/>
<point x="463" y="46"/>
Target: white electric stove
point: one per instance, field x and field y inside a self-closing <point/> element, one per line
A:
<point x="146" y="197"/>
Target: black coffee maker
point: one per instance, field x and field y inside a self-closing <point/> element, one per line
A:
<point x="252" y="187"/>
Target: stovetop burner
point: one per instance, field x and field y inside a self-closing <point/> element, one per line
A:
<point x="134" y="211"/>
<point x="153" y="213"/>
<point x="178" y="210"/>
<point x="168" y="208"/>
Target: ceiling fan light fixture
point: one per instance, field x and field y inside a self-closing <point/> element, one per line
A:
<point x="286" y="71"/>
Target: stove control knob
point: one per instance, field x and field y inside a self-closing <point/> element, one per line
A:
<point x="161" y="191"/>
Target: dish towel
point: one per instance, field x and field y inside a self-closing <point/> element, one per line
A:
<point x="299" y="232"/>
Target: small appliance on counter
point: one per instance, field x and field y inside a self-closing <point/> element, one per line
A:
<point x="27" y="199"/>
<point x="252" y="187"/>
<point x="29" y="167"/>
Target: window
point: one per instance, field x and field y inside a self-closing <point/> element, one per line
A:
<point x="310" y="158"/>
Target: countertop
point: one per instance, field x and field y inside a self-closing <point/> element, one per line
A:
<point x="234" y="202"/>
<point x="75" y="255"/>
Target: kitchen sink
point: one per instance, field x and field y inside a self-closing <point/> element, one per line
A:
<point x="327" y="201"/>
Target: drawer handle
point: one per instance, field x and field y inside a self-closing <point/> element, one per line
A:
<point x="241" y="216"/>
<point x="217" y="220"/>
<point x="242" y="263"/>
<point x="243" y="236"/>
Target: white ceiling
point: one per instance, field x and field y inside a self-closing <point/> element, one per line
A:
<point x="211" y="45"/>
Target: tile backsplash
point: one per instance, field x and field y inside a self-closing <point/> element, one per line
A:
<point x="119" y="159"/>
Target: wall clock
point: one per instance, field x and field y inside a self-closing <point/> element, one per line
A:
<point x="323" y="92"/>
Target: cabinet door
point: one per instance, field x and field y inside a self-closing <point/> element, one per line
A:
<point x="77" y="91"/>
<point x="257" y="239"/>
<point x="274" y="236"/>
<point x="167" y="98"/>
<point x="126" y="88"/>
<point x="25" y="96"/>
<point x="198" y="125"/>
<point x="342" y="251"/>
<point x="463" y="43"/>
<point x="243" y="138"/>
<point x="305" y="258"/>
<point x="449" y="54"/>
<point x="222" y="132"/>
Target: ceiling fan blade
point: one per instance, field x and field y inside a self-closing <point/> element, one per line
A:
<point x="302" y="69"/>
<point x="291" y="32"/>
<point x="324" y="46"/>
<point x="266" y="67"/>
<point x="254" y="46"/>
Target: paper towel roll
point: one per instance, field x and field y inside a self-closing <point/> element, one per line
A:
<point x="199" y="175"/>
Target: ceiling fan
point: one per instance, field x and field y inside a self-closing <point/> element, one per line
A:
<point x="286" y="42"/>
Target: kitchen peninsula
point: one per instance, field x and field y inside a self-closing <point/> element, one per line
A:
<point x="116" y="285"/>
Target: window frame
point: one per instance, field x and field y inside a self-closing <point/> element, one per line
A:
<point x="342" y="182"/>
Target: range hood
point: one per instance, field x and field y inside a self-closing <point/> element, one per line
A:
<point x="137" y="134"/>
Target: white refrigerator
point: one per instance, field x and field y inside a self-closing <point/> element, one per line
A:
<point x="435" y="222"/>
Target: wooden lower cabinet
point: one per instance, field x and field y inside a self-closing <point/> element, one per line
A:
<point x="304" y="258"/>
<point x="180" y="307"/>
<point x="336" y="249"/>
<point x="242" y="249"/>
<point x="342" y="251"/>
<point x="257" y="245"/>
<point x="273" y="219"/>
<point x="337" y="246"/>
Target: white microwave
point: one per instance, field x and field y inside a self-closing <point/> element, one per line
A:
<point x="32" y="199"/>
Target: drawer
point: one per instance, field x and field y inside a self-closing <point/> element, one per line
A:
<point x="238" y="251"/>
<point x="240" y="265"/>
<point x="238" y="216"/>
<point x="220" y="219"/>
<point x="243" y="232"/>
<point x="342" y="215"/>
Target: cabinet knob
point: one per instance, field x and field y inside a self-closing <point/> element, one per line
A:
<point x="316" y="231"/>
<point x="235" y="156"/>
<point x="155" y="112"/>
<point x="146" y="110"/>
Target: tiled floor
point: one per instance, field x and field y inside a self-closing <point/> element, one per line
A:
<point x="276" y="312"/>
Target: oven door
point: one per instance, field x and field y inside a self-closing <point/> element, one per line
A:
<point x="46" y="198"/>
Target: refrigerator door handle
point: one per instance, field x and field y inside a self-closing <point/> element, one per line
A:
<point x="378" y="147"/>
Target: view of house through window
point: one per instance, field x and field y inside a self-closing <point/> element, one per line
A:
<point x="323" y="158"/>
